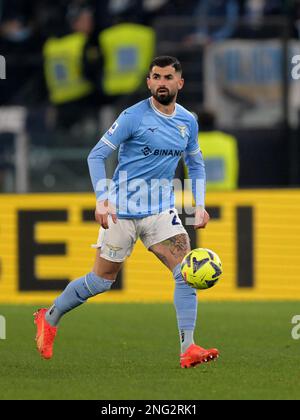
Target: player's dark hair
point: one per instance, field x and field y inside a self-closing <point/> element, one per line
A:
<point x="165" y="61"/>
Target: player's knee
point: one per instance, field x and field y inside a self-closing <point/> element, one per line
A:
<point x="106" y="269"/>
<point x="108" y="273"/>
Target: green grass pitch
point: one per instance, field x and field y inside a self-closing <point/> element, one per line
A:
<point x="130" y="352"/>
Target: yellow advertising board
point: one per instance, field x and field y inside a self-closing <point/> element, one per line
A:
<point x="45" y="242"/>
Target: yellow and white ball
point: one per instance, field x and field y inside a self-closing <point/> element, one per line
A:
<point x="201" y="268"/>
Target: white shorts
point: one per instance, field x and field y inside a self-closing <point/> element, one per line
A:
<point x="117" y="242"/>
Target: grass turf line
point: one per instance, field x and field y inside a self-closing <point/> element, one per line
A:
<point x="131" y="352"/>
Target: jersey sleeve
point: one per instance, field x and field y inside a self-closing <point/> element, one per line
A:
<point x="122" y="130"/>
<point x="193" y="147"/>
<point x="194" y="161"/>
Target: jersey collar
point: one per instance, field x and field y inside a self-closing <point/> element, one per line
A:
<point x="157" y="111"/>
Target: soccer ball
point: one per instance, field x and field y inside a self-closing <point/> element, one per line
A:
<point x="201" y="268"/>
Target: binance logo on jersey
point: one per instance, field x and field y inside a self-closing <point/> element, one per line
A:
<point x="147" y="151"/>
<point x="161" y="152"/>
<point x="173" y="153"/>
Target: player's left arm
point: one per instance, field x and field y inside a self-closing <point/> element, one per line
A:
<point x="196" y="169"/>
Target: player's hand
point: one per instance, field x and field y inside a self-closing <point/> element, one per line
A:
<point x="104" y="209"/>
<point x="201" y="218"/>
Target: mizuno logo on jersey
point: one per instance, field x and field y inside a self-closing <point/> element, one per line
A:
<point x="160" y="152"/>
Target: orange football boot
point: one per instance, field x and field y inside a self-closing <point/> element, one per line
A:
<point x="196" y="355"/>
<point x="45" y="334"/>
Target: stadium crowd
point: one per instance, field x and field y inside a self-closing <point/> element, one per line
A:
<point x="25" y="27"/>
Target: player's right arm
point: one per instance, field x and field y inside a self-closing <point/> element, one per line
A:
<point x="121" y="131"/>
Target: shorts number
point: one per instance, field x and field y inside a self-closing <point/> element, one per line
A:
<point x="175" y="220"/>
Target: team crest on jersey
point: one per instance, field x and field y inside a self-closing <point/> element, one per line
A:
<point x="113" y="129"/>
<point x="182" y="129"/>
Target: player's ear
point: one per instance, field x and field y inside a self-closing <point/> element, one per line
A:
<point x="148" y="82"/>
<point x="181" y="84"/>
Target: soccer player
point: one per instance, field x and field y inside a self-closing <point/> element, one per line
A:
<point x="152" y="136"/>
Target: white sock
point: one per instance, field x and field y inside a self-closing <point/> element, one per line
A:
<point x="187" y="339"/>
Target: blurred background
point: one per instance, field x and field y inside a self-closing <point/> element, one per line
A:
<point x="72" y="66"/>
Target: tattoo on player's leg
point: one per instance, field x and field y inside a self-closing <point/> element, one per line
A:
<point x="172" y="251"/>
<point x="179" y="245"/>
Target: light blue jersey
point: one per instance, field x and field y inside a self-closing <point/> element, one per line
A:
<point x="150" y="146"/>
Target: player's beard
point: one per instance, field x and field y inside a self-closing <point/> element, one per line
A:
<point x="165" y="98"/>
